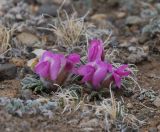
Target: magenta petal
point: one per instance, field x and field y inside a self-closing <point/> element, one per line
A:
<point x="95" y="50"/>
<point x="122" y="67"/>
<point x="87" y="72"/>
<point x="117" y="80"/>
<point x="62" y="59"/>
<point x="47" y="55"/>
<point x="110" y="67"/>
<point x="99" y="74"/>
<point x="74" y="58"/>
<point x="42" y="69"/>
<point x="121" y="70"/>
<point x="55" y="67"/>
<point x="124" y="73"/>
<point x="68" y="66"/>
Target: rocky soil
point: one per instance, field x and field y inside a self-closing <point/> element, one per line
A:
<point x="134" y="30"/>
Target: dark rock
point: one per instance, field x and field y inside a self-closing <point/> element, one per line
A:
<point x="113" y="3"/>
<point x="48" y="9"/>
<point x="31" y="1"/>
<point x="7" y="71"/>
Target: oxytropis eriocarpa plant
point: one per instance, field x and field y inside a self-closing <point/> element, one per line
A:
<point x="56" y="68"/>
<point x="97" y="71"/>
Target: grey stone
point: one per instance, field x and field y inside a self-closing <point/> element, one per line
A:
<point x="90" y="123"/>
<point x="25" y="125"/>
<point x="19" y="17"/>
<point x="7" y="71"/>
<point x="129" y="106"/>
<point x="87" y="129"/>
<point x="48" y="9"/>
<point x="58" y="2"/>
<point x="26" y="94"/>
<point x="144" y="38"/>
<point x="148" y="13"/>
<point x="132" y="49"/>
<point x="134" y="20"/>
<point x="152" y="28"/>
<point x="152" y="129"/>
<point x="138" y="56"/>
<point x="158" y="7"/>
<point x="73" y="122"/>
<point x="133" y="58"/>
<point x="131" y="6"/>
<point x="129" y="129"/>
<point x="157" y="102"/>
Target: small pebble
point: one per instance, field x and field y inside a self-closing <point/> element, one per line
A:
<point x="129" y="106"/>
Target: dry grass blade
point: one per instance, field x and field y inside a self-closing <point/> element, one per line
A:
<point x="132" y="120"/>
<point x="69" y="31"/>
<point x="67" y="99"/>
<point x="111" y="107"/>
<point x="5" y="36"/>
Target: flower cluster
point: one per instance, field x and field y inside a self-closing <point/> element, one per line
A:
<point x="96" y="71"/>
<point x="56" y="66"/>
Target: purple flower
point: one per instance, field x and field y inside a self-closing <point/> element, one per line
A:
<point x="52" y="65"/>
<point x="119" y="73"/>
<point x="94" y="72"/>
<point x="72" y="59"/>
<point x="97" y="70"/>
<point x="95" y="50"/>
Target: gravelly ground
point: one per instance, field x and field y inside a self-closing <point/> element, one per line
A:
<point x="135" y="34"/>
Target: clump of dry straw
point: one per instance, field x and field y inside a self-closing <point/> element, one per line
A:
<point x="5" y="36"/>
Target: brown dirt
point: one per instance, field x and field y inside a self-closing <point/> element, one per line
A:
<point x="148" y="79"/>
<point x="150" y="75"/>
<point x="9" y="88"/>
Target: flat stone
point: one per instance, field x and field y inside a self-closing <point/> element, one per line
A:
<point x="133" y="20"/>
<point x="27" y="38"/>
